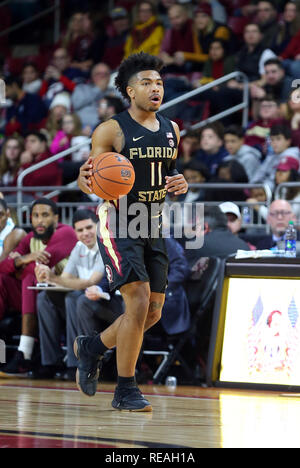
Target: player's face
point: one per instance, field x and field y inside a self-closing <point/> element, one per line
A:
<point x="146" y="90"/>
<point x="86" y="232"/>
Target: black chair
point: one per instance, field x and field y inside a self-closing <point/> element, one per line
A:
<point x="200" y="289"/>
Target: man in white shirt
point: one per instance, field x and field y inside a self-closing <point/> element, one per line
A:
<point x="59" y="311"/>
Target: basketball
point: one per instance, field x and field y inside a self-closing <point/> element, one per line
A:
<point x="113" y="176"/>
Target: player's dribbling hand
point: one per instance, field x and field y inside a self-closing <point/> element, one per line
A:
<point x="85" y="173"/>
<point x="176" y="184"/>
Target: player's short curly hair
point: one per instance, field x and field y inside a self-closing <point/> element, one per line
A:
<point x="134" y="64"/>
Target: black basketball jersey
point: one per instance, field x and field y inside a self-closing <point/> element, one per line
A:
<point x="151" y="154"/>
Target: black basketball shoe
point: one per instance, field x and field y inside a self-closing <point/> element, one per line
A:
<point x="130" y="399"/>
<point x="89" y="367"/>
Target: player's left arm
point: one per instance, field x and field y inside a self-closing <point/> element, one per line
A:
<point x="175" y="182"/>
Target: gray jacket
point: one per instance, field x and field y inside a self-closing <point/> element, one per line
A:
<point x="249" y="158"/>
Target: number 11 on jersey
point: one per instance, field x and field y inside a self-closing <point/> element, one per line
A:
<point x="154" y="176"/>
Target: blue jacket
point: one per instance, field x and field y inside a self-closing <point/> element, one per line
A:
<point x="176" y="313"/>
<point x="211" y="161"/>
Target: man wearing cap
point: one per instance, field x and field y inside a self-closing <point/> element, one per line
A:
<point x="49" y="243"/>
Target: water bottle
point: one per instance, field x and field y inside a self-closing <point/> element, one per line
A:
<point x="290" y="240"/>
<point x="171" y="382"/>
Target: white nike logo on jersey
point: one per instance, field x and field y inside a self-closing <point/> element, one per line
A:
<point x="138" y="138"/>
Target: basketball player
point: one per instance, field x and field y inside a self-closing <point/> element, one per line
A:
<point x="137" y="267"/>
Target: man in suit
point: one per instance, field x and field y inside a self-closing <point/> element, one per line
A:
<point x="279" y="215"/>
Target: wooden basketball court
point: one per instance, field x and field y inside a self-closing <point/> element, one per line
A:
<point x="55" y="414"/>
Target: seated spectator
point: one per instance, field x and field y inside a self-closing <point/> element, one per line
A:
<point x="291" y="112"/>
<point x="27" y="111"/>
<point x="258" y="132"/>
<point x="291" y="56"/>
<point x="287" y="27"/>
<point x="147" y="33"/>
<point x="276" y="83"/>
<point x="248" y="156"/>
<point x="36" y="150"/>
<point x="10" y="235"/>
<point x="10" y="160"/>
<point x="77" y="40"/>
<point x="60" y="105"/>
<point x="60" y="76"/>
<point x="86" y="96"/>
<point x="279" y="214"/>
<point x="189" y="145"/>
<point x="31" y="79"/>
<point x="45" y="244"/>
<point x="179" y="38"/>
<point x="234" y="220"/>
<point x="115" y="43"/>
<point x="267" y="19"/>
<point x="65" y="311"/>
<point x="228" y="172"/>
<point x="281" y="139"/>
<point x="194" y="172"/>
<point x="206" y="29"/>
<point x="253" y="55"/>
<point x="288" y="171"/>
<point x="218" y="64"/>
<point x="109" y="106"/>
<point x="218" y="239"/>
<point x="212" y="151"/>
<point x="163" y="7"/>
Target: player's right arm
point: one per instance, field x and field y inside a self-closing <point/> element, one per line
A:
<point x="108" y="136"/>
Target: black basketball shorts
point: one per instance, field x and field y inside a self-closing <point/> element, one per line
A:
<point x="128" y="260"/>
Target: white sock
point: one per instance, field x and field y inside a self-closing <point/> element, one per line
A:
<point x="26" y="346"/>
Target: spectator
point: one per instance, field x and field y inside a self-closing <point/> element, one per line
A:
<point x="291" y="55"/>
<point x="234" y="220"/>
<point x="287" y="28"/>
<point x="56" y="312"/>
<point x="27" y="110"/>
<point x="190" y="143"/>
<point x="267" y="19"/>
<point x="163" y="7"/>
<point x="288" y="171"/>
<point x="77" y="39"/>
<point x="114" y="46"/>
<point x="276" y="84"/>
<point x="218" y="64"/>
<point x="253" y="55"/>
<point x="30" y="77"/>
<point x="147" y="33"/>
<point x="179" y="38"/>
<point x="86" y="96"/>
<point x="281" y="139"/>
<point x="195" y="172"/>
<point x="60" y="76"/>
<point x="10" y="235"/>
<point x="212" y="151"/>
<point x="279" y="214"/>
<point x="258" y="132"/>
<point x="109" y="106"/>
<point x="45" y="244"/>
<point x="10" y="160"/>
<point x="291" y="111"/>
<point x="218" y="239"/>
<point x="248" y="156"/>
<point x="228" y="172"/>
<point x="71" y="135"/>
<point x="60" y="105"/>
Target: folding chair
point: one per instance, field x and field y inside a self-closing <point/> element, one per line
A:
<point x="200" y="288"/>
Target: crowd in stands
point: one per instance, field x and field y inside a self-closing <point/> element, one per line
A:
<point x="56" y="99"/>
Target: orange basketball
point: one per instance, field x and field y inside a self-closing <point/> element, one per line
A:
<point x="113" y="176"/>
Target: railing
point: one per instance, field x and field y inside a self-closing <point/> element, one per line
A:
<point x="55" y="8"/>
<point x="67" y="209"/>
